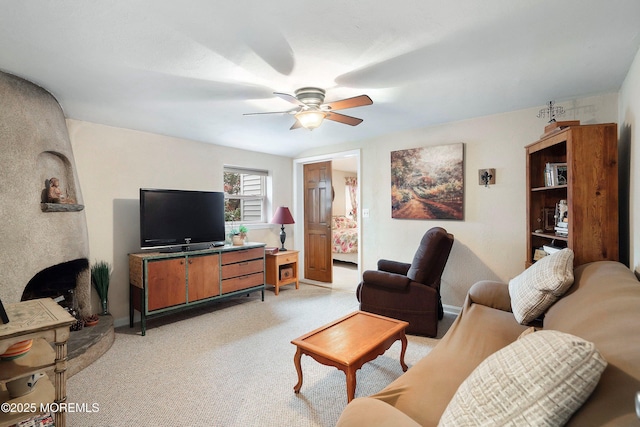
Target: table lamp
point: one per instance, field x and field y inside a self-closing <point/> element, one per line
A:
<point x="282" y="217"/>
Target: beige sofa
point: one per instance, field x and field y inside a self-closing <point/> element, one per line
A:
<point x="602" y="306"/>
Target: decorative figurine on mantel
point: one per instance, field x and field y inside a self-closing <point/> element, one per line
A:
<point x="55" y="195"/>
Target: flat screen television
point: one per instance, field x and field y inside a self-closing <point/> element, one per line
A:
<point x="170" y="218"/>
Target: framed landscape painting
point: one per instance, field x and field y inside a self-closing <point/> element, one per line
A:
<point x="428" y="182"/>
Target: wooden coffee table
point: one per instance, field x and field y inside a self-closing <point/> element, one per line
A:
<point x="350" y="342"/>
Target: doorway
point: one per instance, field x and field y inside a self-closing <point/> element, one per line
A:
<point x="346" y="267"/>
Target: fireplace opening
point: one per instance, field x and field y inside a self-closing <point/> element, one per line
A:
<point x="58" y="282"/>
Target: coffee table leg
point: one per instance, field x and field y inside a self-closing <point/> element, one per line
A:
<point x="296" y="361"/>
<point x="351" y="384"/>
<point x="403" y="339"/>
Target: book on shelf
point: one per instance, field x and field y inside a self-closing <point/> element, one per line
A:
<point x="548" y="176"/>
<point x="271" y="250"/>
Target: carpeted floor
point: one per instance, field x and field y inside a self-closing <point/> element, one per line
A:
<point x="345" y="276"/>
<point x="230" y="364"/>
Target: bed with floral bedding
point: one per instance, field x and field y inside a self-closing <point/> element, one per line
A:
<point x="344" y="239"/>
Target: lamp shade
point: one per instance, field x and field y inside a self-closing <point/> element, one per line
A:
<point x="310" y="119"/>
<point x="282" y="216"/>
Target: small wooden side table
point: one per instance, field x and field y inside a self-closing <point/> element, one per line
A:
<point x="282" y="269"/>
<point x="45" y="322"/>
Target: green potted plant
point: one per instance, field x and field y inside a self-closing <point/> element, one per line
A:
<point x="100" y="272"/>
<point x="238" y="235"/>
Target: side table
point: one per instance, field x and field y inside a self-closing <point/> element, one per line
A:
<point x="282" y="269"/>
<point x="45" y="322"/>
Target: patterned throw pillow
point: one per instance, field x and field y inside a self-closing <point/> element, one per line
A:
<point x="539" y="286"/>
<point x="540" y="379"/>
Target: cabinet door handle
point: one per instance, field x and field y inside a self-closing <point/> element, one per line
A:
<point x="190" y="261"/>
<point x="244" y="263"/>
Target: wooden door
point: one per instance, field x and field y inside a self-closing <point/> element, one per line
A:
<point x="204" y="277"/>
<point x="166" y="283"/>
<point x="317" y="221"/>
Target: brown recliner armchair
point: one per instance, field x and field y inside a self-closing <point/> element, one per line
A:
<point x="410" y="292"/>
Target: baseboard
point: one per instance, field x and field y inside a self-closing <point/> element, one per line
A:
<point x="124" y="321"/>
<point x="452" y="309"/>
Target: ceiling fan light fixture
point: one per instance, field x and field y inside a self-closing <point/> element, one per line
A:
<point x="310" y="119"/>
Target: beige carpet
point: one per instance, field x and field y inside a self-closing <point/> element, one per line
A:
<point x="345" y="276"/>
<point x="230" y="364"/>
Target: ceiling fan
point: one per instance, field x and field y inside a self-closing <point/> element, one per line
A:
<point x="311" y="109"/>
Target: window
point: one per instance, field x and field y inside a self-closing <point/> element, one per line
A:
<point x="245" y="194"/>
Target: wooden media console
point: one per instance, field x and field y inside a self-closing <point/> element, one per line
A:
<point x="165" y="282"/>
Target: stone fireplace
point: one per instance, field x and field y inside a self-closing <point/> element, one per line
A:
<point x="45" y="249"/>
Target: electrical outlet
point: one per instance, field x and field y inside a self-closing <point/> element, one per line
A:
<point x="365" y="213"/>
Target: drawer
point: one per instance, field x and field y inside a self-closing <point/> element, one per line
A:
<point x="242" y="282"/>
<point x="287" y="259"/>
<point x="242" y="268"/>
<point x="242" y="255"/>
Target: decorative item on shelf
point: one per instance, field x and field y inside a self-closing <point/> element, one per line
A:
<point x="555" y="174"/>
<point x="562" y="220"/>
<point x="23" y="386"/>
<point x="487" y="177"/>
<point x="17" y="350"/>
<point x="550" y="111"/>
<point x="100" y="273"/>
<point x="282" y="217"/>
<point x="549" y="215"/>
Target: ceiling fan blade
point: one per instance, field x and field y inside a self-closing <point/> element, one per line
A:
<point x="290" y="98"/>
<point x="270" y="112"/>
<point x="356" y="101"/>
<point x="341" y="118"/>
<point x="296" y="125"/>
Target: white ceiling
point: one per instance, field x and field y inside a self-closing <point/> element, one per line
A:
<point x="191" y="68"/>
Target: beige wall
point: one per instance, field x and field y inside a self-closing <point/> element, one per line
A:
<point x="629" y="119"/>
<point x="113" y="164"/>
<point x="490" y="242"/>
